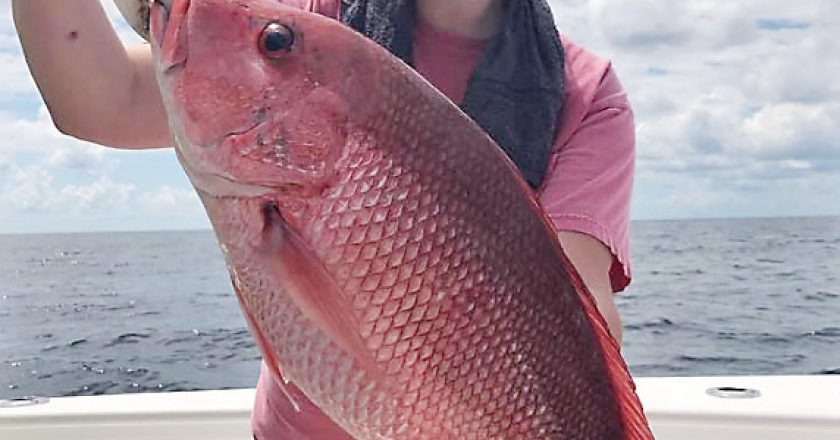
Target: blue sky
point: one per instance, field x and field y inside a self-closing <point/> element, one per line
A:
<point x="737" y="107"/>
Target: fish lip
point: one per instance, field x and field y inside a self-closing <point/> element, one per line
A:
<point x="218" y="184"/>
<point x="250" y="187"/>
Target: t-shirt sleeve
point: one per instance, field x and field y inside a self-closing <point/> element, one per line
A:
<point x="589" y="182"/>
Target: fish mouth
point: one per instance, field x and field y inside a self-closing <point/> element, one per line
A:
<point x="221" y="184"/>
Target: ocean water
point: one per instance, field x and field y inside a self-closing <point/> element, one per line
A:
<point x="84" y="314"/>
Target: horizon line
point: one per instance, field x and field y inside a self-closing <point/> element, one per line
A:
<point x="209" y="229"/>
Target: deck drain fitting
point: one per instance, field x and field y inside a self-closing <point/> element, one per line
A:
<point x="733" y="393"/>
<point x="23" y="401"/>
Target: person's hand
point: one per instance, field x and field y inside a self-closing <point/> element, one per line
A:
<point x="136" y="14"/>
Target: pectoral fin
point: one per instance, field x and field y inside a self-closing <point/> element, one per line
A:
<point x="313" y="290"/>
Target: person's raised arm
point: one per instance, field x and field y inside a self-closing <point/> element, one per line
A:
<point x="96" y="89"/>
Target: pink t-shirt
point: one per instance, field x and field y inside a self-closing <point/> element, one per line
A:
<point x="587" y="187"/>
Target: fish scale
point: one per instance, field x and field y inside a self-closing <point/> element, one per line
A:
<point x="444" y="308"/>
<point x="294" y="337"/>
<point x="407" y="284"/>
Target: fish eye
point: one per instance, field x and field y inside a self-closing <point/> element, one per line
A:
<point x="276" y="40"/>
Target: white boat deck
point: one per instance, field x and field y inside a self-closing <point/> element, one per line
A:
<point x="789" y="407"/>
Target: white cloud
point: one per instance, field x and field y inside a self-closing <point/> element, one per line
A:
<point x="34" y="200"/>
<point x="33" y="189"/>
<point x="27" y="190"/>
<point x="732" y="99"/>
<point x="794" y="131"/>
<point x="100" y="195"/>
<point x="5" y="162"/>
<point x="39" y="136"/>
<point x="14" y="75"/>
<point x="167" y="198"/>
<point x="5" y="14"/>
<point x="8" y="41"/>
<point x="794" y="68"/>
<point x="85" y="157"/>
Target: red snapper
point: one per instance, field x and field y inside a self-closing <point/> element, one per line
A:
<point x="390" y="260"/>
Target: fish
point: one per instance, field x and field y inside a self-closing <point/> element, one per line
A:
<point x="390" y="260"/>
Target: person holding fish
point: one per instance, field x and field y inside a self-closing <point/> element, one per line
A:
<point x="558" y="112"/>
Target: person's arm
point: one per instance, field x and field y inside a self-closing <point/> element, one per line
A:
<point x="593" y="260"/>
<point x="95" y="88"/>
<point x="588" y="187"/>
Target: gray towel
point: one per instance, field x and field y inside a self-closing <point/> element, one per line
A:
<point x="517" y="90"/>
